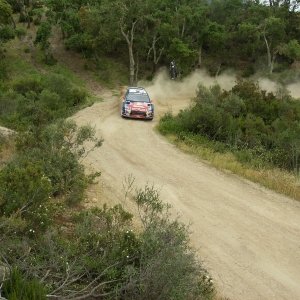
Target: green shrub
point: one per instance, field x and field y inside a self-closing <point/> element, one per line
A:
<point x="96" y="251"/>
<point x="28" y="84"/>
<point x="37" y="14"/>
<point x="6" y="33"/>
<point x="42" y="39"/>
<point x="168" y="125"/>
<point x="22" y="183"/>
<point x="244" y="119"/>
<point x="58" y="149"/>
<point x="20" y="32"/>
<point x="3" y="69"/>
<point x="43" y="34"/>
<point x="78" y="96"/>
<point x="39" y="100"/>
<point x="24" y="191"/>
<point x="47" y="166"/>
<point x="18" y="287"/>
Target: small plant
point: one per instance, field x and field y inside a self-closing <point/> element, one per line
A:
<point x="18" y="287"/>
<point x="20" y="32"/>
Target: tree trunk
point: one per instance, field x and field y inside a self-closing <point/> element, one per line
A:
<point x="183" y="29"/>
<point x="131" y="64"/>
<point x="218" y="70"/>
<point x="273" y="61"/>
<point x="271" y="67"/>
<point x="129" y="37"/>
<point x="136" y="70"/>
<point x="28" y="16"/>
<point x="156" y="56"/>
<point x="270" y="61"/>
<point x="200" y="57"/>
<point x="13" y="22"/>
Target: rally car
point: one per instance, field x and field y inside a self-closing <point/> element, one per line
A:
<point x="137" y="104"/>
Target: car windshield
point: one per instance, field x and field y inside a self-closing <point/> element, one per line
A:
<point x="138" y="97"/>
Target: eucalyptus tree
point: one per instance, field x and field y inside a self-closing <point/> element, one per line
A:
<point x="131" y="15"/>
<point x="273" y="32"/>
<point x="197" y="29"/>
<point x="158" y="30"/>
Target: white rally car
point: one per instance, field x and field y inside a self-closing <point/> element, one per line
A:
<point x="137" y="104"/>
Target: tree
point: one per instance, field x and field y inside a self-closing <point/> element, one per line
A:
<point x="6" y="30"/>
<point x="215" y="40"/>
<point x="290" y="50"/>
<point x="273" y="32"/>
<point x="197" y="25"/>
<point x="131" y="15"/>
<point x="5" y="12"/>
<point x="42" y="38"/>
<point x="248" y="38"/>
<point x="157" y="31"/>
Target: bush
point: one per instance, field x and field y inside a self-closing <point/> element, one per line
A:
<point x="244" y="118"/>
<point x="6" y="33"/>
<point x="39" y="100"/>
<point x="22" y="183"/>
<point x="97" y="253"/>
<point x="20" y="32"/>
<point x="168" y="267"/>
<point x="24" y="191"/>
<point x="58" y="149"/>
<point x="28" y="84"/>
<point x="47" y="166"/>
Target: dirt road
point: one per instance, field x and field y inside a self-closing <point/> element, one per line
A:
<point x="248" y="237"/>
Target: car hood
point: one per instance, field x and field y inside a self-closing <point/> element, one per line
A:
<point x="138" y="105"/>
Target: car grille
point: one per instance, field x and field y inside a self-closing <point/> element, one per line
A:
<point x="138" y="113"/>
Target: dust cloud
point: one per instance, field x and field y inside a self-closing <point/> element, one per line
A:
<point x="162" y="87"/>
<point x="294" y="89"/>
<point x="268" y="85"/>
<point x="272" y="86"/>
<point x="168" y="92"/>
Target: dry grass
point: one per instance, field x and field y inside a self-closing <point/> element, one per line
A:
<point x="275" y="179"/>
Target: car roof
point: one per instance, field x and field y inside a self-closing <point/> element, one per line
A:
<point x="136" y="90"/>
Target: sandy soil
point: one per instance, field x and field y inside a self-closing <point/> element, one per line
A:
<point x="248" y="237"/>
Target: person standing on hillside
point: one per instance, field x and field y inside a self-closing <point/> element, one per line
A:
<point x="173" y="70"/>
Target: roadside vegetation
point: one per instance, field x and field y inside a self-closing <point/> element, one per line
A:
<point x="52" y="247"/>
<point x="247" y="36"/>
<point x="97" y="253"/>
<point x="245" y="130"/>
